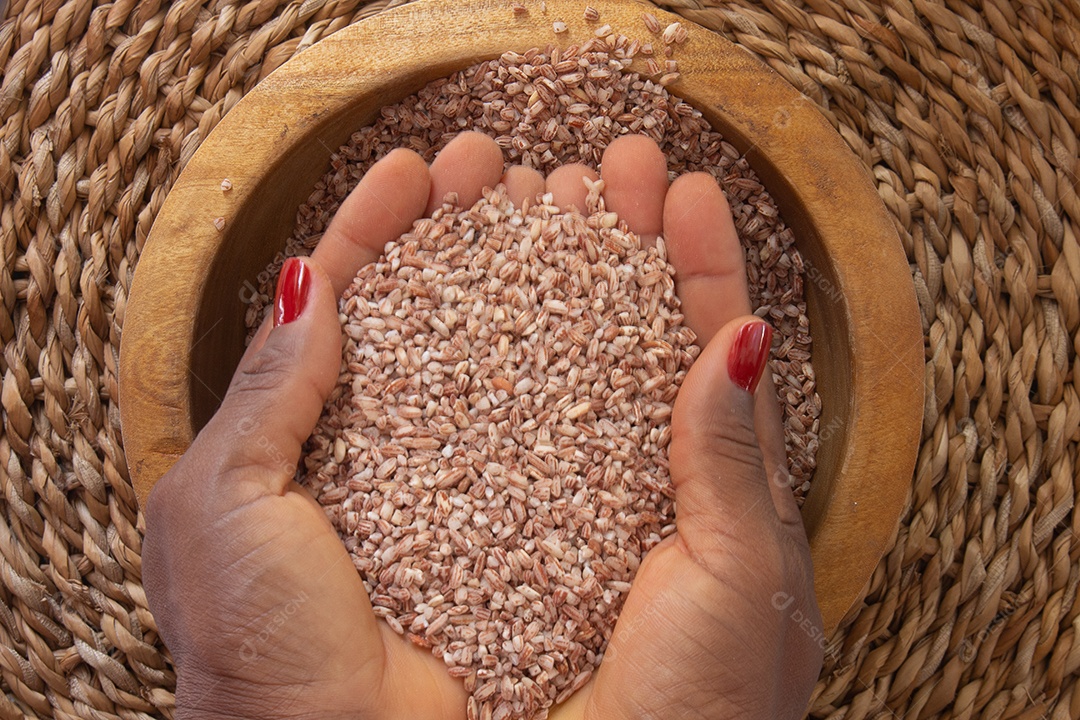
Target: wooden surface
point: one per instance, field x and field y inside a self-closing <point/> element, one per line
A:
<point x="183" y="331"/>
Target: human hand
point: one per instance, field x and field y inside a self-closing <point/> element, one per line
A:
<point x="699" y="634"/>
<point x="264" y="612"/>
<point x="252" y="590"/>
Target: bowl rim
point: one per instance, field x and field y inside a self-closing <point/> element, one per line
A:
<point x="823" y="178"/>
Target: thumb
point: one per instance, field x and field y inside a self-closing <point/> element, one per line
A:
<point x="279" y="389"/>
<point x="716" y="463"/>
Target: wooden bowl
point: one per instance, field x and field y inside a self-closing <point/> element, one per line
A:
<point x="184" y="327"/>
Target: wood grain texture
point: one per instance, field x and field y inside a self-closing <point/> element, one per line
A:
<point x="183" y="331"/>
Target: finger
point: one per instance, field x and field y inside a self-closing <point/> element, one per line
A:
<point x="278" y="392"/>
<point x="704" y="248"/>
<point x="386" y="203"/>
<point x="717" y="467"/>
<point x="522" y="184"/>
<point x="567" y="186"/>
<point x="710" y="280"/>
<point x="468" y="164"/>
<point x="635" y="183"/>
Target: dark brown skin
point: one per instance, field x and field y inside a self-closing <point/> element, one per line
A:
<point x="258" y="600"/>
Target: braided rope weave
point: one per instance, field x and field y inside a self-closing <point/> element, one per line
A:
<point x="967" y="116"/>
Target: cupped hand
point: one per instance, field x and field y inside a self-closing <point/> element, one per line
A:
<point x="260" y="605"/>
<point x="721" y="621"/>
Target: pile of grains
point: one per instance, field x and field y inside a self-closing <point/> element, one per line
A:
<point x="495" y="453"/>
<point x="557" y="106"/>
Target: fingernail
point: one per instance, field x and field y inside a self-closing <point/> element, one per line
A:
<point x="292" y="291"/>
<point x="749" y="354"/>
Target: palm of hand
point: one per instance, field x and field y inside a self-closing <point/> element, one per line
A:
<point x="274" y="621"/>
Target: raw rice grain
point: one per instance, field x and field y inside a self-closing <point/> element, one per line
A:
<point x="517" y="484"/>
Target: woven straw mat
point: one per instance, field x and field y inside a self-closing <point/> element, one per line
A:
<point x="967" y="117"/>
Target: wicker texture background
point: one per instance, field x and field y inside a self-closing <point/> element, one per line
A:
<point x="965" y="113"/>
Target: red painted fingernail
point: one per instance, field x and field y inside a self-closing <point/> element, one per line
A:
<point x="292" y="291"/>
<point x="749" y="354"/>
